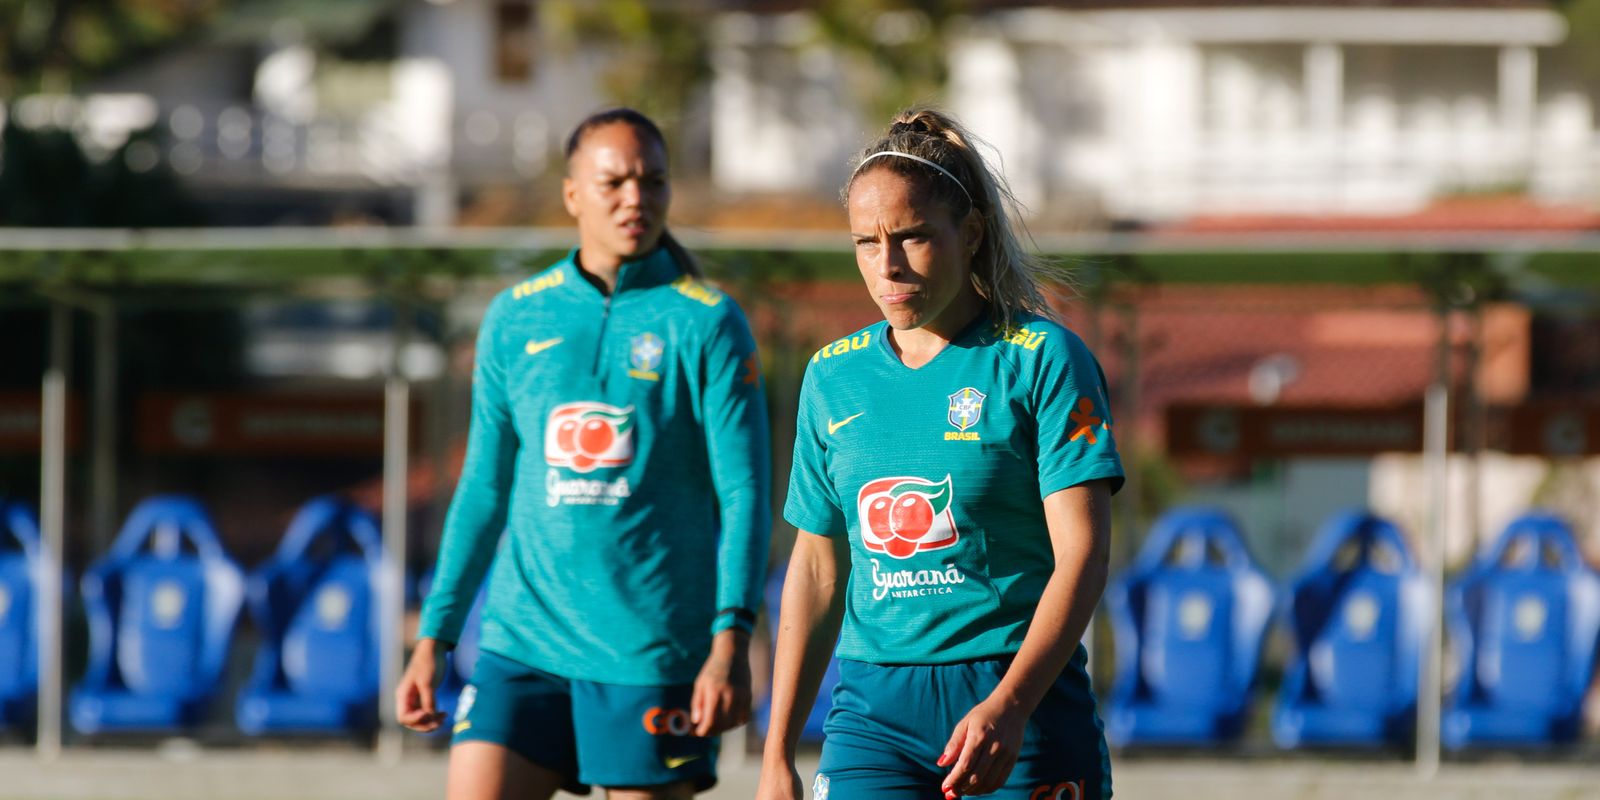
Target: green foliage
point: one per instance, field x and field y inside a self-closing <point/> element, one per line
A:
<point x="47" y="182"/>
<point x="1455" y="279"/>
<point x="660" y="53"/>
<point x="51" y="45"/>
<point x="1583" y="35"/>
<point x="43" y="179"/>
<point x="896" y="48"/>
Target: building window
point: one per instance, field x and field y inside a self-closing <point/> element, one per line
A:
<point x="513" y="41"/>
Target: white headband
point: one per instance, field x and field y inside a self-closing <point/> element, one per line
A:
<point x="922" y="160"/>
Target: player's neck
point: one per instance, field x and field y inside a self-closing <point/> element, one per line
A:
<point x="598" y="271"/>
<point x="920" y="345"/>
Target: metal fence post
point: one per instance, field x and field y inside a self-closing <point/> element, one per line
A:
<point x="1436" y="425"/>
<point x="52" y="512"/>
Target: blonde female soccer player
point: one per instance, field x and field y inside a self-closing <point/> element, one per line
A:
<point x="952" y="473"/>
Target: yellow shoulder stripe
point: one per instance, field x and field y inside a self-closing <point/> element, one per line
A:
<point x="538" y="284"/>
<point x="846" y="345"/>
<point x="698" y="291"/>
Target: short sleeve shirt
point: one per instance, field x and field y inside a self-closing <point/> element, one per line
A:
<point x="937" y="475"/>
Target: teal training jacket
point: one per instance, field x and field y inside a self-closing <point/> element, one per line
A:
<point x="621" y="445"/>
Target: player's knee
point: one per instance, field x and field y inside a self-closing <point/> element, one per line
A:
<point x="486" y="771"/>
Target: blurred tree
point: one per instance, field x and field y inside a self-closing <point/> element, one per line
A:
<point x="47" y="182"/>
<point x="47" y="45"/>
<point x="43" y="178"/>
<point x="896" y="48"/>
<point x="1583" y="35"/>
<point x="137" y="189"/>
<point x="661" y="57"/>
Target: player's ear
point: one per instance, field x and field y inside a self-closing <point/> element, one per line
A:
<point x="972" y="232"/>
<point x="569" y="195"/>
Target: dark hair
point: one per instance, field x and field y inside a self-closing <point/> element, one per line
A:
<point x="599" y="119"/>
<point x="643" y="125"/>
<point x="1010" y="279"/>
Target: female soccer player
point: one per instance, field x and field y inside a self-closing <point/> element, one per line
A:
<point x="952" y="473"/>
<point x="619" y="440"/>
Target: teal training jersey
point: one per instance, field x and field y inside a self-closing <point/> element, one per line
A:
<point x="938" y="474"/>
<point x="620" y="443"/>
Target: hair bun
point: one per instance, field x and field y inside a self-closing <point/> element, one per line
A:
<point x="916" y="124"/>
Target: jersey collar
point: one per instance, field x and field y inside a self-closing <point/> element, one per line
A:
<point x="976" y="333"/>
<point x="657" y="268"/>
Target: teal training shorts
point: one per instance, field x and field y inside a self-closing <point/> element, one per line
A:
<point x="593" y="734"/>
<point x="889" y="725"/>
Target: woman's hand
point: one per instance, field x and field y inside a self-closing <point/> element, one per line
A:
<point x="722" y="690"/>
<point x="415" y="701"/>
<point x="779" y="781"/>
<point x="986" y="742"/>
<point x="983" y="748"/>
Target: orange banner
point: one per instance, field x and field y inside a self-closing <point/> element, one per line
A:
<point x="22" y="419"/>
<point x="1273" y="431"/>
<point x="1552" y="429"/>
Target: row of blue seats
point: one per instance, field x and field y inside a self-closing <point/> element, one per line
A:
<point x="1191" y="613"/>
<point x="162" y="606"/>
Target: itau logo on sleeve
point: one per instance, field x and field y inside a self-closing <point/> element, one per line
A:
<point x="586" y="436"/>
<point x="905" y="516"/>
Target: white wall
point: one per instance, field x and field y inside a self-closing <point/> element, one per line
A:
<point x="1161" y="115"/>
<point x="496" y="124"/>
<point x="1487" y="494"/>
<point x="784" y="118"/>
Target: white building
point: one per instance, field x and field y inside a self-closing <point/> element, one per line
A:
<point x="420" y="99"/>
<point x="1152" y="111"/>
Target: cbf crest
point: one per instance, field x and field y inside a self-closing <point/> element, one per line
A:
<point x="966" y="408"/>
<point x="644" y="356"/>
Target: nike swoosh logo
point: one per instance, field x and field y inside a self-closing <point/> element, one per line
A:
<point x="674" y="763"/>
<point x="833" y="427"/>
<point x="534" y="348"/>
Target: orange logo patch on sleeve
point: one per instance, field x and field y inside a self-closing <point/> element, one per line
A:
<point x="751" y="371"/>
<point x="1085" y="420"/>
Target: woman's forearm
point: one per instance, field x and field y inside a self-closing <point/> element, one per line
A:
<point x="1063" y="615"/>
<point x="813" y="607"/>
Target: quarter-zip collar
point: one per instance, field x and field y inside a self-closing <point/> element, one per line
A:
<point x="655" y="269"/>
<point x="658" y="268"/>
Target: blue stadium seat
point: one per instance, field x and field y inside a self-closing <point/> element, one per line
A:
<point x="812" y="732"/>
<point x="463" y="656"/>
<point x="19" y="655"/>
<point x="316" y="606"/>
<point x="161" y="619"/>
<point x="1189" y="615"/>
<point x="1359" y="612"/>
<point x="1524" y="618"/>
